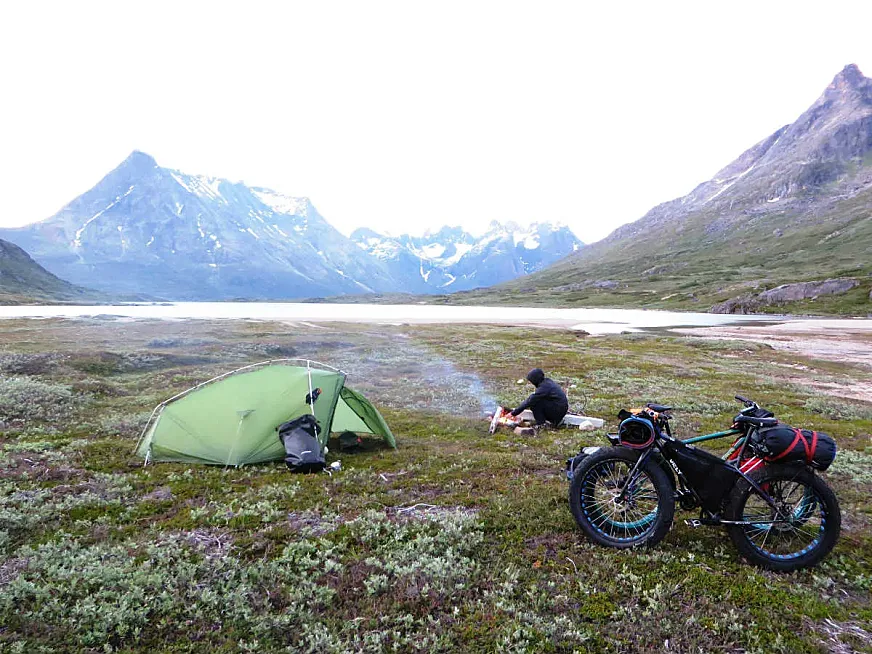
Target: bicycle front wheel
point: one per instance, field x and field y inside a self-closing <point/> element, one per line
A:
<point x="616" y="508"/>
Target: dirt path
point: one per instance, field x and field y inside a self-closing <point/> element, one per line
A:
<point x="841" y="341"/>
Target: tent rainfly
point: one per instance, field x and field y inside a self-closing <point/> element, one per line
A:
<point x="232" y="419"/>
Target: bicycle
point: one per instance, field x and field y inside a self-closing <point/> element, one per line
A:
<point x="779" y="514"/>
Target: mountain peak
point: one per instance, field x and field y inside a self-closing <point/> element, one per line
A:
<point x="139" y="159"/>
<point x="848" y="79"/>
<point x="850" y="75"/>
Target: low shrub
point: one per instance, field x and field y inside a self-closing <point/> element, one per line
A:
<point x="838" y="409"/>
<point x="132" y="593"/>
<point x="28" y="399"/>
<point x="435" y="555"/>
<point x="110" y="595"/>
<point x="855" y="466"/>
<point x="258" y="505"/>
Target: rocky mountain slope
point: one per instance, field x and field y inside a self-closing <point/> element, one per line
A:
<point x="453" y="260"/>
<point x="794" y="211"/>
<point x="147" y="229"/>
<point x="24" y="280"/>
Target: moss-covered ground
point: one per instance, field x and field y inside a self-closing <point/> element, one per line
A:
<point x="456" y="541"/>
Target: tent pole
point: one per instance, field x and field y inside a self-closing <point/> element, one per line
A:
<point x="311" y="399"/>
<point x="236" y="440"/>
<point x="147" y="424"/>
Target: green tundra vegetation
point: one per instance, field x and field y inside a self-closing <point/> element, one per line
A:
<point x="456" y="541"/>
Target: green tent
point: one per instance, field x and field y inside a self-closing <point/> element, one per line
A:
<point x="232" y="419"/>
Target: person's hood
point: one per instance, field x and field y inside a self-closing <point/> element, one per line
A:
<point x="536" y="376"/>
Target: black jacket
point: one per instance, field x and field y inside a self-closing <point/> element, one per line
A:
<point x="547" y="391"/>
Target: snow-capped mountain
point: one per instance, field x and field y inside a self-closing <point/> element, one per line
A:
<point x="154" y="230"/>
<point x="453" y="260"/>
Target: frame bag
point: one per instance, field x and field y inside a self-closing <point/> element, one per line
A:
<point x="710" y="476"/>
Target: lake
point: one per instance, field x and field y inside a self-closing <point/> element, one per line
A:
<point x="593" y="321"/>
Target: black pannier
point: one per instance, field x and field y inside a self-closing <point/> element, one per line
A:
<point x="300" y="440"/>
<point x="710" y="476"/>
<point x="784" y="444"/>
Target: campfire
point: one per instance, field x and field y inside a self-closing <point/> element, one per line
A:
<point x="503" y="417"/>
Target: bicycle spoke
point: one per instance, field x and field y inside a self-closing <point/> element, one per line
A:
<point x="796" y="527"/>
<point x="618" y="505"/>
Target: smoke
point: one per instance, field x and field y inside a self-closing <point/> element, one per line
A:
<point x="406" y="375"/>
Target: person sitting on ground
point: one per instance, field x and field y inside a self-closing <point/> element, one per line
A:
<point x="548" y="401"/>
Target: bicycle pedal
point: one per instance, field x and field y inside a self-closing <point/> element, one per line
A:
<point x="693" y="522"/>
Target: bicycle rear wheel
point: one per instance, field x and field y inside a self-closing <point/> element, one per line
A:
<point x="801" y="532"/>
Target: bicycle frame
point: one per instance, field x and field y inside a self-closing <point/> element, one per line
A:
<point x="734" y="452"/>
<point x="736" y="447"/>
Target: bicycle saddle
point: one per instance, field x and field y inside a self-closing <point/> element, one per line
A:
<point x="659" y="408"/>
<point x="757" y="422"/>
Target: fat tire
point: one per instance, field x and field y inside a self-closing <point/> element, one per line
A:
<point x="660" y="481"/>
<point x="832" y="525"/>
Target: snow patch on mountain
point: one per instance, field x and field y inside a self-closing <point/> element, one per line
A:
<point x="460" y="249"/>
<point x="432" y="251"/>
<point x="200" y="185"/>
<point x="77" y="241"/>
<point x="451" y="257"/>
<point x="281" y="203"/>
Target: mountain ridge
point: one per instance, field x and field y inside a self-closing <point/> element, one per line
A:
<point x="452" y="258"/>
<point x="146" y="229"/>
<point x="795" y="207"/>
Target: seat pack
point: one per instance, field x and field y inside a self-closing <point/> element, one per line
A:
<point x="785" y="444"/>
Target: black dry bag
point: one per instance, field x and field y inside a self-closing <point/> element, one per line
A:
<point x="300" y="439"/>
<point x="785" y="444"/>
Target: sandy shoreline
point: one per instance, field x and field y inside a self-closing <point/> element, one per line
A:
<point x="593" y="321"/>
<point x="841" y="341"/>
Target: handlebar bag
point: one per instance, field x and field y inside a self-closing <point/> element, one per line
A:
<point x="302" y="449"/>
<point x="785" y="444"/>
<point x="709" y="476"/>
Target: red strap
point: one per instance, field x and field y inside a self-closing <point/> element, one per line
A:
<point x="810" y="453"/>
<point x="796" y="439"/>
<point x="804" y="442"/>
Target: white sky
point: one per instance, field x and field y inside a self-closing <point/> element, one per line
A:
<point x="403" y="116"/>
